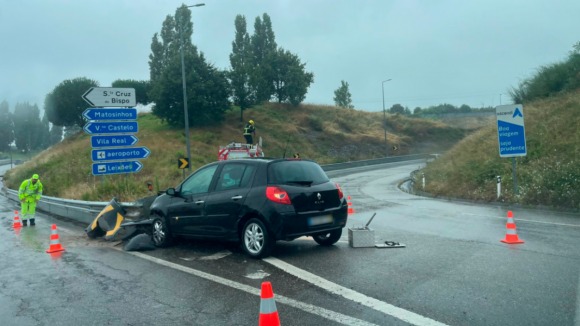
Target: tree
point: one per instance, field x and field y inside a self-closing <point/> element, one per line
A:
<point x="163" y="51"/>
<point x="397" y="108"/>
<point x="241" y="61"/>
<point x="26" y="126"/>
<point x="407" y="111"/>
<point x="141" y="88"/>
<point x="64" y="105"/>
<point x="417" y="111"/>
<point x="55" y="135"/>
<point x="6" y="127"/>
<point x="465" y="108"/>
<point x="290" y="79"/>
<point x="342" y="96"/>
<point x="263" y="43"/>
<point x="207" y="92"/>
<point x="43" y="133"/>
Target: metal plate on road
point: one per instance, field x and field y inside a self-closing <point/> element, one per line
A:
<point x="510" y="130"/>
<point x="113" y="141"/>
<point x="110" y="96"/>
<point x="129" y="127"/>
<point x="116" y="154"/>
<point x="110" y="114"/>
<point x="117" y="167"/>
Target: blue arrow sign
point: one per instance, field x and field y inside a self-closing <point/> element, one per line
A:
<point x="110" y="114"/>
<point x="113" y="141"/>
<point x="129" y="127"/>
<point x="117" y="167"/>
<point x="511" y="131"/>
<point x="115" y="154"/>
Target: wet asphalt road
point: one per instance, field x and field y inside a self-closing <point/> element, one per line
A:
<point x="454" y="269"/>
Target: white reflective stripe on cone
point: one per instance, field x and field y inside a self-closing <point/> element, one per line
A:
<point x="53" y="242"/>
<point x="511" y="220"/>
<point x="268" y="306"/>
<point x="511" y="231"/>
<point x="55" y="232"/>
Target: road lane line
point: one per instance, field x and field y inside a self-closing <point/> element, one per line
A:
<point x="325" y="313"/>
<point x="577" y="319"/>
<point x="402" y="314"/>
<point x="524" y="220"/>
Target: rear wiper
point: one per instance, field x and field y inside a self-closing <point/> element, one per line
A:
<point x="306" y="183"/>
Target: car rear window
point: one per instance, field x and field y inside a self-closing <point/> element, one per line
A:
<point x="288" y="172"/>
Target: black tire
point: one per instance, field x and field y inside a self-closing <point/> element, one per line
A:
<point x="328" y="238"/>
<point x="160" y="232"/>
<point x="254" y="245"/>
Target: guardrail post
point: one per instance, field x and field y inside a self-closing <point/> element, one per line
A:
<point x="423" y="181"/>
<point x="498" y="186"/>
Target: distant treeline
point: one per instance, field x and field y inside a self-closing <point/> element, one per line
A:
<point x="437" y="109"/>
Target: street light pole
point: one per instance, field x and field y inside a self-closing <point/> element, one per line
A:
<point x="385" y="116"/>
<point x="185" y="92"/>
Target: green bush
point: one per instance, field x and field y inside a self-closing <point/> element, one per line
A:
<point x="315" y="123"/>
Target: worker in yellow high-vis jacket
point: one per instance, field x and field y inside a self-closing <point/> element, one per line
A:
<point x="29" y="194"/>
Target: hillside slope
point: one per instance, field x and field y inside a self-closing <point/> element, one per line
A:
<point x="549" y="175"/>
<point x="323" y="133"/>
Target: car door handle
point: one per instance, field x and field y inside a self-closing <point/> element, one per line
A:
<point x="237" y="197"/>
<point x="199" y="202"/>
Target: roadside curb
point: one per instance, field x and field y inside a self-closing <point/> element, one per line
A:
<point x="421" y="193"/>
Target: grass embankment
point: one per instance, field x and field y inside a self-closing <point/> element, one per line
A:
<point x="548" y="175"/>
<point x="324" y="133"/>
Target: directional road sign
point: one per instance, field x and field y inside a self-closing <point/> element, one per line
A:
<point x="128" y="127"/>
<point x="113" y="141"/>
<point x="117" y="167"/>
<point x="395" y="147"/>
<point x="115" y="154"/>
<point x="110" y="96"/>
<point x="182" y="163"/>
<point x="110" y="114"/>
<point x="510" y="130"/>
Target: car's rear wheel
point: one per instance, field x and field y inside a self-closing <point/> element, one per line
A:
<point x="256" y="240"/>
<point x="160" y="232"/>
<point x="328" y="238"/>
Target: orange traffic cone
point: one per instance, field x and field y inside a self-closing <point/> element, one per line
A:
<point x="54" y="241"/>
<point x="511" y="235"/>
<point x="268" y="311"/>
<point x="350" y="209"/>
<point x="17" y="223"/>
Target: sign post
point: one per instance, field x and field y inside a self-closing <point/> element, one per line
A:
<point x="511" y="134"/>
<point x="112" y="120"/>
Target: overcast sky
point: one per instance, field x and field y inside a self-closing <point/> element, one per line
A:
<point x="434" y="50"/>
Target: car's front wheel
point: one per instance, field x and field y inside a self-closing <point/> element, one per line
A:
<point x="160" y="232"/>
<point x="256" y="240"/>
<point x="328" y="238"/>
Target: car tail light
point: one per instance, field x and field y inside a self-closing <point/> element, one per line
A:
<point x="278" y="195"/>
<point x="340" y="194"/>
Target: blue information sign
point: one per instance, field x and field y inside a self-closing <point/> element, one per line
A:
<point x="117" y="167"/>
<point x="113" y="141"/>
<point x="128" y="127"/>
<point x="115" y="154"/>
<point x="110" y="114"/>
<point x="510" y="130"/>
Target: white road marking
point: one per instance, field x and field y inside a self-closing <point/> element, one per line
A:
<point x="187" y="259"/>
<point x="325" y="313"/>
<point x="388" y="309"/>
<point x="217" y="255"/>
<point x="258" y="275"/>
<point x="524" y="220"/>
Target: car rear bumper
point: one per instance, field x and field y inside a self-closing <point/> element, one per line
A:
<point x="292" y="225"/>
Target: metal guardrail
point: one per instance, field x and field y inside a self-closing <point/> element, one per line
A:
<point x="86" y="211"/>
<point x="4" y="162"/>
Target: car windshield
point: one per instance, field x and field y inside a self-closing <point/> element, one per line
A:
<point x="296" y="172"/>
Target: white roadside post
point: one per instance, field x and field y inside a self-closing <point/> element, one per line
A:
<point x="423" y="181"/>
<point x="498" y="186"/>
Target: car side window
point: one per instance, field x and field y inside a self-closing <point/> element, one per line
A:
<point x="199" y="182"/>
<point x="247" y="175"/>
<point x="230" y="177"/>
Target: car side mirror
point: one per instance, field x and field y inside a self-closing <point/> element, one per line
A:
<point x="170" y="191"/>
